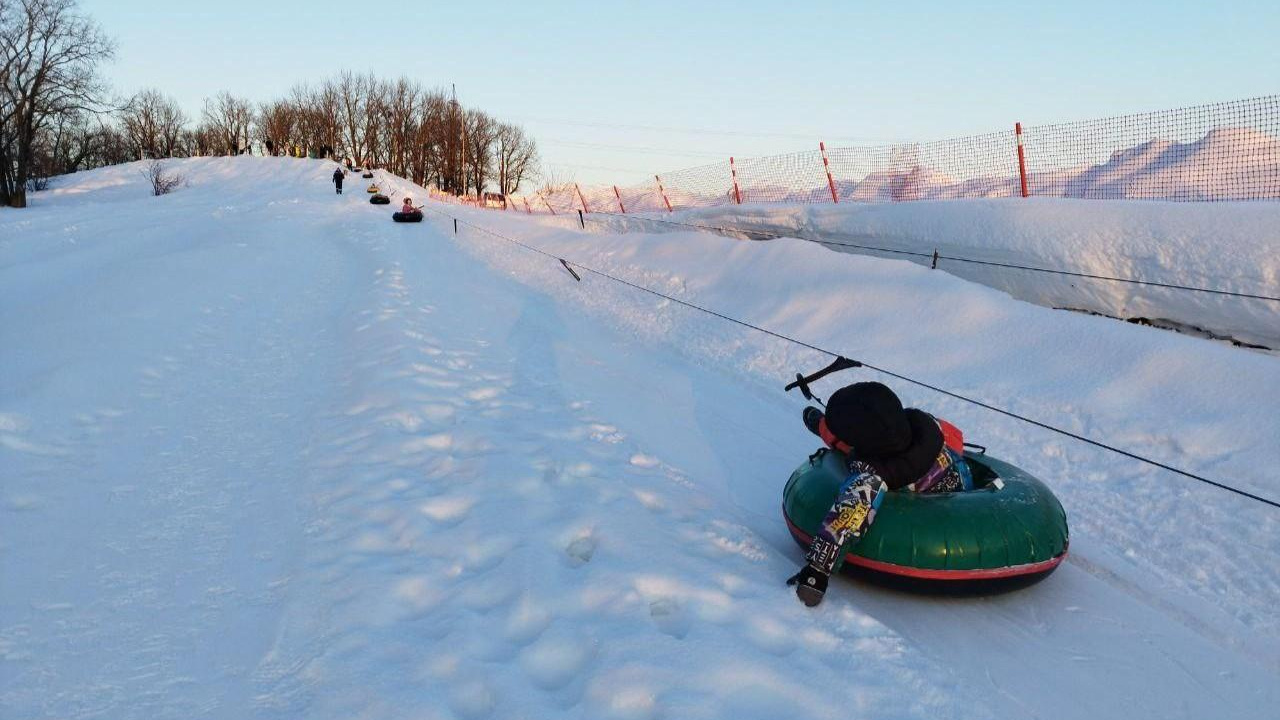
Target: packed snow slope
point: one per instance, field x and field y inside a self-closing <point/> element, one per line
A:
<point x="266" y="454"/>
<point x="1232" y="247"/>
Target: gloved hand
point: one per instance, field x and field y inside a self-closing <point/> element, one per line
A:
<point x="812" y="416"/>
<point x="811" y="585"/>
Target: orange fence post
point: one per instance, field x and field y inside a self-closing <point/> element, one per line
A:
<point x="1022" y="158"/>
<point x="527" y="209"/>
<point x="581" y="199"/>
<point x="733" y="170"/>
<point x="619" y="196"/>
<point x="544" y="202"/>
<point x="831" y="184"/>
<point x="663" y="193"/>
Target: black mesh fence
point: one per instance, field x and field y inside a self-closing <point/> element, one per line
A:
<point x="1224" y="151"/>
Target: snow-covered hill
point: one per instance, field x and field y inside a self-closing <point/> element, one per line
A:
<point x="264" y="453"/>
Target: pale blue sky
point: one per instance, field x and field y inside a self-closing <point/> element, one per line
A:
<point x="766" y="76"/>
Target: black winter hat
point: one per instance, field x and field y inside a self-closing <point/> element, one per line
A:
<point x="869" y="417"/>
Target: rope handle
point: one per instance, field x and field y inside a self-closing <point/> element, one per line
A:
<point x="802" y="381"/>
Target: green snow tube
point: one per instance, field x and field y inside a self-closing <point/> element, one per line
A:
<point x="1010" y="526"/>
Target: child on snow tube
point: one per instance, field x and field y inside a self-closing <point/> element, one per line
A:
<point x="889" y="449"/>
<point x="407" y="208"/>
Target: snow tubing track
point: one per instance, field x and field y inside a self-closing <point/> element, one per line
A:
<point x="1008" y="531"/>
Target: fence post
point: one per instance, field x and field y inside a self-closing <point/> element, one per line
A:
<point x="544" y="202"/>
<point x="733" y="170"/>
<point x="527" y="209"/>
<point x="581" y="199"/>
<point x="826" y="165"/>
<point x="581" y="220"/>
<point x="663" y="193"/>
<point x="1022" y="158"/>
<point x="619" y="196"/>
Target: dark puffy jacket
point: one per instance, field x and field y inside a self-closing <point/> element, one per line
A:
<point x="934" y="461"/>
<point x="931" y="461"/>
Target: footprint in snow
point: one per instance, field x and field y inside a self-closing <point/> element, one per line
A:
<point x="605" y="433"/>
<point x="447" y="511"/>
<point x="23" y="503"/>
<point x="556" y="660"/>
<point x="641" y="460"/>
<point x="770" y="636"/>
<point x="485" y="393"/>
<point x="651" y="501"/>
<point x="670" y="617"/>
<point x="581" y="549"/>
<point x="472" y="699"/>
<point x="526" y="621"/>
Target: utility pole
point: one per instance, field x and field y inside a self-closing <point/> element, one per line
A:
<point x="454" y="131"/>
<point x="466" y="145"/>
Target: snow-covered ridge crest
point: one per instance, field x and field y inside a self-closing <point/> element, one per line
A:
<point x="127" y="183"/>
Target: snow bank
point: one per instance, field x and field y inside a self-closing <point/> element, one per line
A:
<point x="1233" y="247"/>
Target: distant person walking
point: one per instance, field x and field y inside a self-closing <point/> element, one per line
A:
<point x="337" y="180"/>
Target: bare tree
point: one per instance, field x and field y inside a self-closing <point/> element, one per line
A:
<point x="317" y="129"/>
<point x="66" y="145"/>
<point x="453" y="151"/>
<point x="555" y="180"/>
<point x="204" y="140"/>
<point x="308" y="121"/>
<point x="154" y="124"/>
<point x="374" y="127"/>
<point x="189" y="144"/>
<point x="71" y="142"/>
<point x="352" y="94"/>
<point x="229" y="119"/>
<point x="49" y="57"/>
<point x="516" y="156"/>
<point x="162" y="181"/>
<point x="107" y="146"/>
<point x="277" y="126"/>
<point x="325" y="110"/>
<point x="479" y="132"/>
<point x="427" y="147"/>
<point x="401" y="125"/>
<point x="173" y="123"/>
